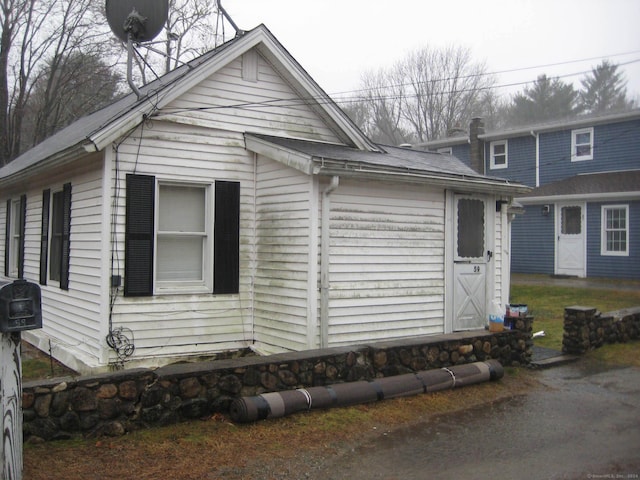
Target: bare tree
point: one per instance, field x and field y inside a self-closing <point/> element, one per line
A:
<point x="425" y="95"/>
<point x="446" y="87"/>
<point x="381" y="107"/>
<point x="68" y="88"/>
<point x="36" y="33"/>
<point x="191" y="29"/>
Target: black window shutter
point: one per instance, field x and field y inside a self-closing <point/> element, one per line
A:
<point x="7" y="239"/>
<point x="226" y="255"/>
<point x="66" y="236"/>
<point x="22" y="225"/>
<point x="44" y="236"/>
<point x="139" y="235"/>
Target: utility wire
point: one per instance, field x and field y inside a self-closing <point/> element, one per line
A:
<point x="302" y="101"/>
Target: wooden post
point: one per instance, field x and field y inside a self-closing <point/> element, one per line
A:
<point x="10" y="407"/>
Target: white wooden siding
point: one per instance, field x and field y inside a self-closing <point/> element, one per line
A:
<point x="177" y="325"/>
<point x="70" y="318"/>
<point x="386" y="262"/>
<point x="283" y="205"/>
<point x="268" y="106"/>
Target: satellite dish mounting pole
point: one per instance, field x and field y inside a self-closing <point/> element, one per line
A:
<point x="229" y="19"/>
<point x="130" y="66"/>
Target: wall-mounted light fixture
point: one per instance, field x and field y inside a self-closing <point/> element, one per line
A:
<point x="546" y="209"/>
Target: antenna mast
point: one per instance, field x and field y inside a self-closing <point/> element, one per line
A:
<point x="229" y="19"/>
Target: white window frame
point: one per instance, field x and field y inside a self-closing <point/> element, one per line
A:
<point x="493" y="155"/>
<point x="53" y="248"/>
<point x="575" y="145"/>
<point x="205" y="284"/>
<point x="603" y="238"/>
<point x="14" y="247"/>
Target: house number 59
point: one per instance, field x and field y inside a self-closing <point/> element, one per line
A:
<point x="476" y="269"/>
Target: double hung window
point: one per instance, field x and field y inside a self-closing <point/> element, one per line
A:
<point x="615" y="230"/>
<point x="582" y="144"/>
<point x="181" y="237"/>
<point x="14" y="238"/>
<point x="499" y="154"/>
<point x="55" y="236"/>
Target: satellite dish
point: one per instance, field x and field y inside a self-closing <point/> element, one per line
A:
<point x="142" y="19"/>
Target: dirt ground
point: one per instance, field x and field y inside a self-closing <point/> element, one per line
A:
<point x="288" y="448"/>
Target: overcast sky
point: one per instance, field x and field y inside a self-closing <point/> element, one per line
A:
<point x="337" y="40"/>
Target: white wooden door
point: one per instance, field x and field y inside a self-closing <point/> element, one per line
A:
<point x="471" y="256"/>
<point x="571" y="236"/>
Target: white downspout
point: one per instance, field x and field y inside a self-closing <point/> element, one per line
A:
<point x="537" y="137"/>
<point x="324" y="261"/>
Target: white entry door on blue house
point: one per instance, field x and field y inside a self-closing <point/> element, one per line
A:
<point x="570" y="238"/>
<point x="471" y="258"/>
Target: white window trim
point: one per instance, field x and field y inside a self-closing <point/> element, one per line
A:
<point x="603" y="231"/>
<point x="163" y="287"/>
<point x="50" y="251"/>
<point x="492" y="147"/>
<point x="574" y="145"/>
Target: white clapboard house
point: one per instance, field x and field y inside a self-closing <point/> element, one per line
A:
<point x="235" y="205"/>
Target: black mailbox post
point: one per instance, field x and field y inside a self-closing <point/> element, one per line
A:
<point x="20" y="306"/>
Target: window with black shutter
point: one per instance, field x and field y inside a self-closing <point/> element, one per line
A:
<point x="179" y="254"/>
<point x="60" y="243"/>
<point x="227" y="238"/>
<point x="44" y="236"/>
<point x="14" y="237"/>
<point x="139" y="235"/>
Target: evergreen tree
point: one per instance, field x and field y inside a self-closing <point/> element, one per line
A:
<point x="604" y="89"/>
<point x="548" y="99"/>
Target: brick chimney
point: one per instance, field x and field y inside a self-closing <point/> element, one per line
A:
<point x="476" y="146"/>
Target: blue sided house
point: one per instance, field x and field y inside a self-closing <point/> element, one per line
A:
<point x="582" y="217"/>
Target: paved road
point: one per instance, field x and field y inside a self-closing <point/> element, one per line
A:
<point x="585" y="425"/>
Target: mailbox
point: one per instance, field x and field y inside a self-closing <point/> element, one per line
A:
<point x="20" y="307"/>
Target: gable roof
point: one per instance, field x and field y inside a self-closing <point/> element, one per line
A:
<point x="99" y="129"/>
<point x="535" y="128"/>
<point x="401" y="164"/>
<point x="607" y="185"/>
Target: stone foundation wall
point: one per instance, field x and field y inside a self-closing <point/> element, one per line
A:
<point x="585" y="328"/>
<point x="112" y="404"/>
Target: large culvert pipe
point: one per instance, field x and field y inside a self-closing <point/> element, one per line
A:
<point x="279" y="404"/>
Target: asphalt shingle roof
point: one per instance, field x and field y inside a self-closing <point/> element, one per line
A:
<point x="395" y="157"/>
<point x="591" y="183"/>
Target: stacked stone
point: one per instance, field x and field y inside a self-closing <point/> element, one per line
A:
<point x="576" y="337"/>
<point x="585" y="328"/>
<point x="114" y="403"/>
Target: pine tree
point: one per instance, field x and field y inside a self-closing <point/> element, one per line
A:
<point x="604" y="89"/>
<point x="548" y="99"/>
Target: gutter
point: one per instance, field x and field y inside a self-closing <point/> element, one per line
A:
<point x="593" y="197"/>
<point x="59" y="159"/>
<point x="325" y="261"/>
<point x="472" y="184"/>
<point x="536" y="135"/>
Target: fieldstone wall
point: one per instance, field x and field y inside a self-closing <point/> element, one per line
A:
<point x="112" y="404"/>
<point x="585" y="328"/>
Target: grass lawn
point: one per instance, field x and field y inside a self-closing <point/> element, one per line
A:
<point x="547" y="304"/>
